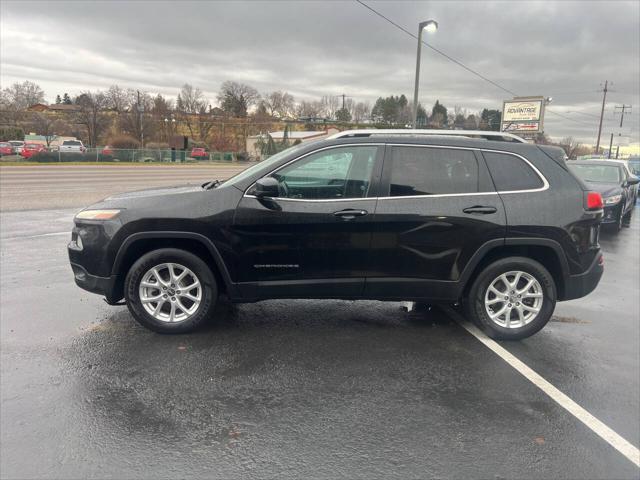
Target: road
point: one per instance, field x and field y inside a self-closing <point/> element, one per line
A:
<point x="59" y="186"/>
<point x="302" y="389"/>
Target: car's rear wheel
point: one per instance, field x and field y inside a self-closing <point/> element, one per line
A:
<point x="170" y="291"/>
<point x="512" y="298"/>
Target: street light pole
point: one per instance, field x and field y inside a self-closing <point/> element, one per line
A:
<point x="430" y="25"/>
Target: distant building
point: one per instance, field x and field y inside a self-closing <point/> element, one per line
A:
<point x="304" y="136"/>
<point x="54" y="107"/>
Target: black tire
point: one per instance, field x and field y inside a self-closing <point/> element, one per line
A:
<point x="619" y="222"/>
<point x="180" y="257"/>
<point x="475" y="302"/>
<point x="628" y="215"/>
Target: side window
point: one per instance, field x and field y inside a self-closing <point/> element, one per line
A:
<point x="432" y="171"/>
<point x="343" y="172"/>
<point x="511" y="173"/>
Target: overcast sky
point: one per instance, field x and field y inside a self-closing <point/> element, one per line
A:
<point x="312" y="48"/>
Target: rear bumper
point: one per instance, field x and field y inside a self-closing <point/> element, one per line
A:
<point x="578" y="286"/>
<point x="101" y="285"/>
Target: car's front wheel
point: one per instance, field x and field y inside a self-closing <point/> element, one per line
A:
<point x="170" y="291"/>
<point x="512" y="298"/>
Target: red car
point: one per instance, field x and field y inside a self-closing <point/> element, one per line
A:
<point x="30" y="149"/>
<point x="6" y="149"/>
<point x="107" y="150"/>
<point x="199" y="153"/>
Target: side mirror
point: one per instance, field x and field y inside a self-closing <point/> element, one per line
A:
<point x="633" y="180"/>
<point x="266" y="187"/>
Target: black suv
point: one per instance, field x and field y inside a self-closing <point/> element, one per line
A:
<point x="489" y="221"/>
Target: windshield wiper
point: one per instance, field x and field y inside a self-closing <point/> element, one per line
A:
<point x="211" y="184"/>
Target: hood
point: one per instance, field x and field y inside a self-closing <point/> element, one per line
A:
<point x="156" y="192"/>
<point x="605" y="189"/>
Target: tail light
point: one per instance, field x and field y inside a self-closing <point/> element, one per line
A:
<point x="594" y="201"/>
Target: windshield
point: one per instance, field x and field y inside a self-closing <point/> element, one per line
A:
<point x="264" y="165"/>
<point x="634" y="166"/>
<point x="70" y="142"/>
<point x="17" y="143"/>
<point x="597" y="173"/>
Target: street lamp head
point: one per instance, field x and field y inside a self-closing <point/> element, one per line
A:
<point x="430" y="26"/>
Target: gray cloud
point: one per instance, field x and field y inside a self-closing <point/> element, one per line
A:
<point x="560" y="49"/>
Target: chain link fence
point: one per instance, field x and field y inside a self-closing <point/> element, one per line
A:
<point x="139" y="155"/>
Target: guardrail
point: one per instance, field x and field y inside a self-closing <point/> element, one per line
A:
<point x="138" y="155"/>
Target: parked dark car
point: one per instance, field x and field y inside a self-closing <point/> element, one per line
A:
<point x="616" y="186"/>
<point x="500" y="225"/>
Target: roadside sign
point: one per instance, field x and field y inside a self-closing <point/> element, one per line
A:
<point x="523" y="114"/>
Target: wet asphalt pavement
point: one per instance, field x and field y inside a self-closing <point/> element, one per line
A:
<point x="302" y="389"/>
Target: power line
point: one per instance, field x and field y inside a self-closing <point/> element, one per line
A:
<point x="458" y="62"/>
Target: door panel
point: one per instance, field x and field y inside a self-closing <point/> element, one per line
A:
<point x="421" y="241"/>
<point x="313" y="240"/>
<point x="281" y="239"/>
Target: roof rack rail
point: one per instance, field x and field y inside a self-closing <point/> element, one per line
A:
<point x="488" y="135"/>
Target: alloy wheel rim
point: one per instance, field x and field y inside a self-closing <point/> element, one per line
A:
<point x="513" y="299"/>
<point x="170" y="292"/>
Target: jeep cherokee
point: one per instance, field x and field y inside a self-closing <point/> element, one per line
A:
<point x="485" y="219"/>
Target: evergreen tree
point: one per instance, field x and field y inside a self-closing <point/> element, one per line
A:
<point x="66" y="99"/>
<point x="343" y="115"/>
<point x="439" y="114"/>
<point x="58" y="100"/>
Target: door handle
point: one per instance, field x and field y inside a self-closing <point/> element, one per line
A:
<point x="350" y="214"/>
<point x="480" y="210"/>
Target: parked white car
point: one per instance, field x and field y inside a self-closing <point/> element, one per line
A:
<point x="72" y="146"/>
<point x="17" y="145"/>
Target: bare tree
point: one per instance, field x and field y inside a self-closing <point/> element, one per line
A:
<point x="136" y="120"/>
<point x="15" y="99"/>
<point x="570" y="146"/>
<point x="190" y="99"/>
<point x="330" y="105"/>
<point x="45" y="125"/>
<point x="361" y="112"/>
<point x="309" y="109"/>
<point x="279" y="103"/>
<point x="236" y="98"/>
<point x="120" y="99"/>
<point x="91" y="114"/>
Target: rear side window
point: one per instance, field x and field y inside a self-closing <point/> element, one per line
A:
<point x="511" y="173"/>
<point x="432" y="171"/>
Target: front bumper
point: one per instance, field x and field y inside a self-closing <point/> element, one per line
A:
<point x="107" y="286"/>
<point x="578" y="286"/>
<point x="611" y="213"/>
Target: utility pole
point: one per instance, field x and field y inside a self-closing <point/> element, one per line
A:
<point x="140" y="110"/>
<point x="610" y="146"/>
<point x="622" y="111"/>
<point x="344" y="95"/>
<point x="604" y="98"/>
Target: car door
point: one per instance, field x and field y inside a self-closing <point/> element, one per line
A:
<point x="313" y="239"/>
<point x="437" y="207"/>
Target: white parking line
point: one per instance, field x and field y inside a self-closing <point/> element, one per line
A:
<point x="599" y="428"/>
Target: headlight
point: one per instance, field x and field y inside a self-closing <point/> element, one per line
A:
<point x="612" y="200"/>
<point x="97" y="214"/>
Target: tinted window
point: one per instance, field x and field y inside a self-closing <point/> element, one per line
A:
<point x="432" y="171"/>
<point x="511" y="173"/>
<point x="334" y="173"/>
<point x="598" y="173"/>
<point x="71" y="142"/>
